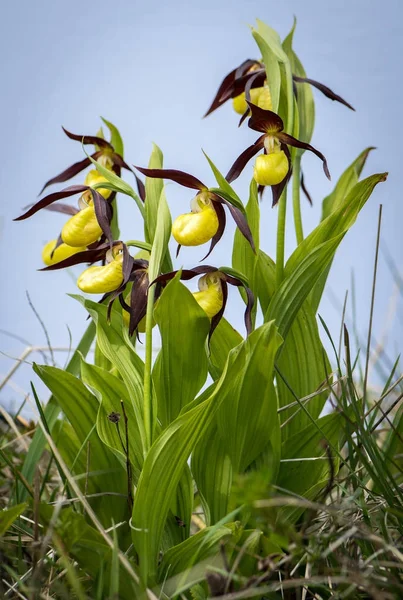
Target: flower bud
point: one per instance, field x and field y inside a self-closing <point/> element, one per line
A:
<point x="100" y="280"/>
<point x="83" y="228"/>
<point x="199" y="226"/>
<point x="61" y="253"/>
<point x="94" y="177"/>
<point x="270" y="169"/>
<point x="210" y="296"/>
<point x="239" y="102"/>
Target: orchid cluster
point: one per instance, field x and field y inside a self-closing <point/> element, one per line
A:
<point x="86" y="237"/>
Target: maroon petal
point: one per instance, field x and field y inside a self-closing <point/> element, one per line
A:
<point x="127" y="266"/>
<point x="265" y="121"/>
<point x="324" y="89"/>
<point x="140" y="188"/>
<point x="138" y="300"/>
<point x="70" y="171"/>
<point x="243" y="159"/>
<point x="59" y="242"/>
<point x="240" y="84"/>
<point x="86" y="256"/>
<point x="103" y="213"/>
<point x="242" y="224"/>
<point x="248" y="311"/>
<point x="277" y="190"/>
<point x="180" y="177"/>
<point x="221" y="226"/>
<point x="88" y="139"/>
<point x="292" y="141"/>
<point x="217" y="318"/>
<point x="304" y="189"/>
<point x="227" y="83"/>
<point x="249" y="85"/>
<point x="186" y="274"/>
<point x="66" y="209"/>
<point x="44" y="203"/>
<point x="178" y="249"/>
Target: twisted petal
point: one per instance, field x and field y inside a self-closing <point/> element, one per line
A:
<point x="88" y="139"/>
<point x="243" y="159"/>
<point x="227" y="84"/>
<point x="324" y="89"/>
<point x="292" y="141"/>
<point x="82" y="256"/>
<point x="180" y="177"/>
<point x="45" y="202"/>
<point x="71" y="171"/>
<point x="221" y="226"/>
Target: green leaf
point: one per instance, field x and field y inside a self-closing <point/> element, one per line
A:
<point x="138" y="244"/>
<point x="110" y="391"/>
<point x="114" y="344"/>
<point x="185" y="564"/>
<point x="212" y="470"/>
<point x="243" y="257"/>
<point x="159" y="249"/>
<point x="301" y="362"/>
<point x="224" y="339"/>
<point x="304" y="99"/>
<point x="248" y="412"/>
<point x="164" y="465"/>
<point x="224" y="189"/>
<point x="265" y="279"/>
<point x="273" y="72"/>
<point x="8" y="516"/>
<point x="154" y="189"/>
<point x="116" y="138"/>
<point x="180" y="369"/>
<point x="51" y="412"/>
<point x="293" y="291"/>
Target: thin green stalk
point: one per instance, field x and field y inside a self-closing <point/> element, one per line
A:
<point x="281" y="220"/>
<point x="296" y="200"/>
<point x="148" y="408"/>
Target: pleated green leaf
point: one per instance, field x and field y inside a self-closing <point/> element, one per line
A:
<point x="110" y="390"/>
<point x="212" y="471"/>
<point x="114" y="344"/>
<point x="248" y="413"/>
<point x="304" y="98"/>
<point x="180" y="369"/>
<point x="154" y="188"/>
<point x="330" y="204"/>
<point x="164" y="464"/>
<point x="224" y="339"/>
<point x="185" y="564"/>
<point x="301" y="362"/>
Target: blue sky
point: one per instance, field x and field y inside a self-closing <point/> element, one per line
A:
<point x="152" y="69"/>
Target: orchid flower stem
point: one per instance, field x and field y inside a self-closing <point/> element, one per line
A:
<point x="296" y="200"/>
<point x="281" y="220"/>
<point x="148" y="405"/>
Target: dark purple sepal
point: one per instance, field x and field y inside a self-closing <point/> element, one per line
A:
<point x="304" y="189"/>
<point x="103" y="213"/>
<point x="278" y="189"/>
<point x="242" y="224"/>
<point x="138" y="300"/>
<point x="86" y="256"/>
<point x="180" y="177"/>
<point x="292" y="141"/>
<point x="59" y="242"/>
<point x="140" y="188"/>
<point x="324" y="89"/>
<point x="217" y="318"/>
<point x="71" y="171"/>
<point x="88" y="139"/>
<point x="263" y="120"/>
<point x="227" y="83"/>
<point x="66" y="193"/>
<point x="178" y="249"/>
<point x="220" y="212"/>
<point x="243" y="159"/>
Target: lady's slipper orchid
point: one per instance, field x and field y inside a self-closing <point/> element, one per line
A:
<point x="113" y="278"/>
<point x="274" y="167"/>
<point x="53" y="253"/>
<point x="90" y="222"/>
<point x="207" y="219"/>
<point x="213" y="292"/>
<point x="235" y="83"/>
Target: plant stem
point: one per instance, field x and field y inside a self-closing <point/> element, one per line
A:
<point x="296" y="201"/>
<point x="281" y="220"/>
<point x="148" y="408"/>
